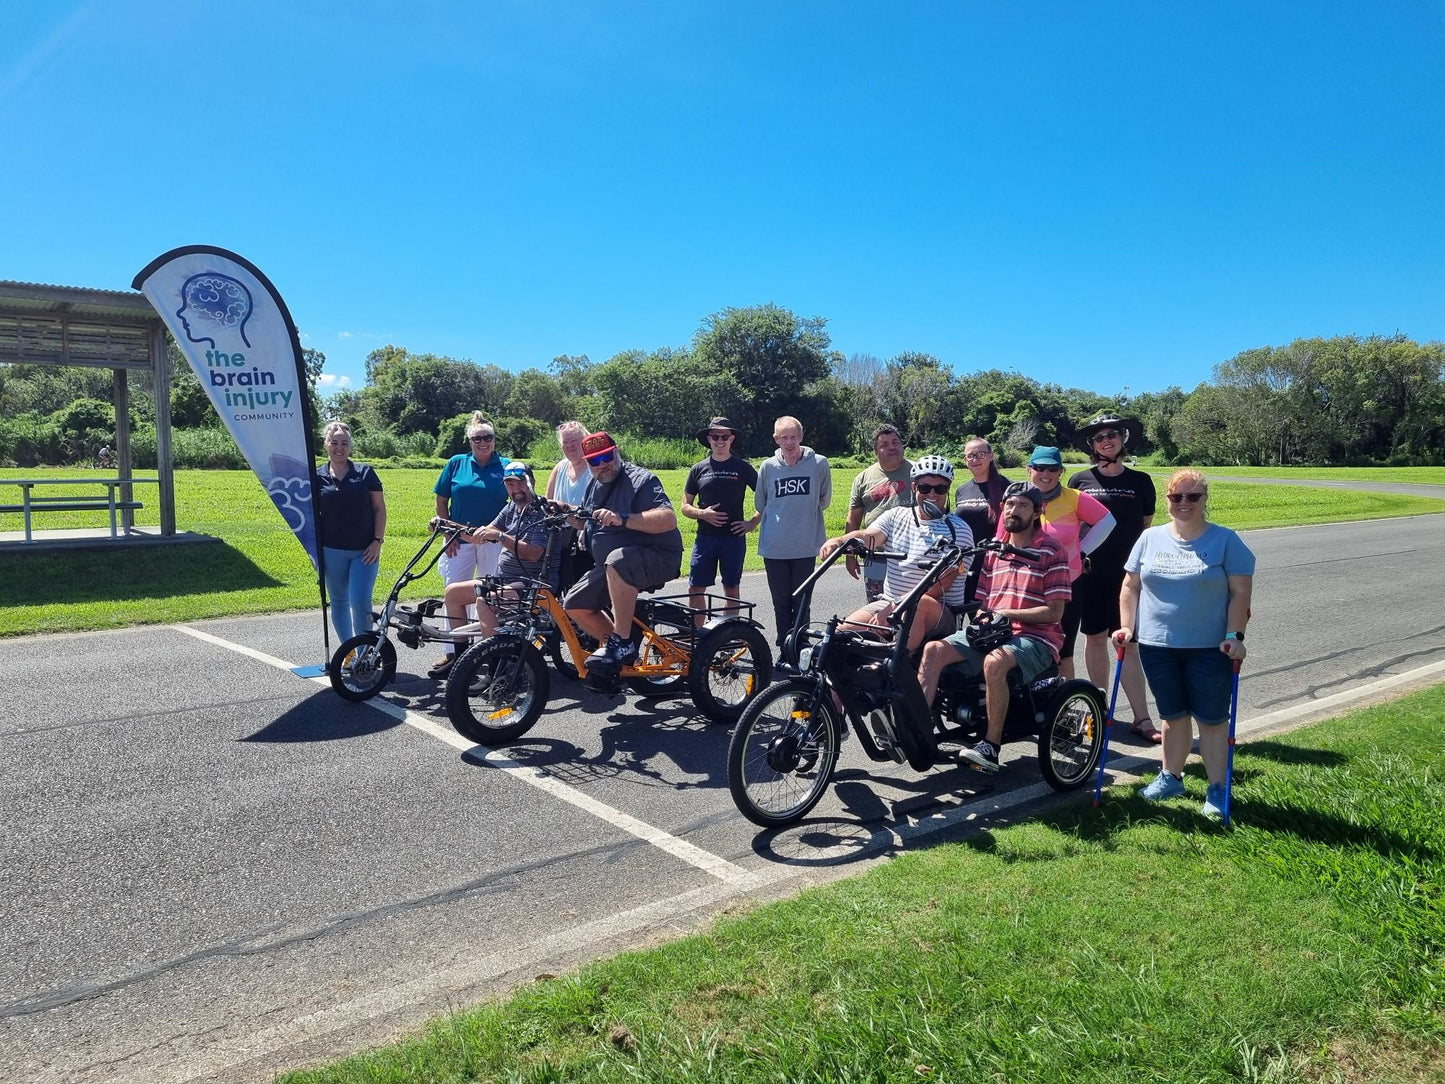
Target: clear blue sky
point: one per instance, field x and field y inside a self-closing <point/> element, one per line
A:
<point x="1099" y="194"/>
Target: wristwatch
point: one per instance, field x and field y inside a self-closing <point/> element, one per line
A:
<point x="1239" y="636"/>
<point x="378" y="539"/>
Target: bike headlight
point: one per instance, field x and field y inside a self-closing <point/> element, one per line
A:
<point x="805" y="658"/>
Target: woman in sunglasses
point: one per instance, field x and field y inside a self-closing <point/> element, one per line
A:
<point x="470" y="490"/>
<point x="1185" y="599"/>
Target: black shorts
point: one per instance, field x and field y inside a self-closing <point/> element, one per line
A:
<point x="642" y="566"/>
<point x="1096" y="597"/>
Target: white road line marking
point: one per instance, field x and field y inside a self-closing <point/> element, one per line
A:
<point x="680" y="849"/>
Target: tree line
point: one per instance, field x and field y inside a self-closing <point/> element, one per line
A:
<point x="1345" y="400"/>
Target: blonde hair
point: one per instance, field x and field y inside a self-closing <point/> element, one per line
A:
<point x="475" y="422"/>
<point x="333" y="428"/>
<point x="570" y="427"/>
<point x="787" y="419"/>
<point x="1185" y="476"/>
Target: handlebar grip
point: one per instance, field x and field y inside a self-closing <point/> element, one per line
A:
<point x="1027" y="553"/>
<point x="885" y="555"/>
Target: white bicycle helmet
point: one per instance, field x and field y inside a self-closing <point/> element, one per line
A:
<point x="932" y="464"/>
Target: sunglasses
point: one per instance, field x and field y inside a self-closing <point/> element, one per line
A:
<point x="600" y="458"/>
<point x="719" y="436"/>
<point x="1051" y="470"/>
<point x="1105" y="434"/>
<point x="1192" y="498"/>
<point x="485" y="438"/>
<point x="931" y="489"/>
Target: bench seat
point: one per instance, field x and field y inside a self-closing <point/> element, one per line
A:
<point x="69" y="504"/>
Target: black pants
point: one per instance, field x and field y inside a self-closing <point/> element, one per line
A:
<point x="786" y="575"/>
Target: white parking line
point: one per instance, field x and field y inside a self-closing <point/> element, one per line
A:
<point x="680" y="849"/>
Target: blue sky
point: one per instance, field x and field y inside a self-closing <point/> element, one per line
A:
<point x="1106" y="195"/>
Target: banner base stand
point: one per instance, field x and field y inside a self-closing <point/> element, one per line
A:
<point x="319" y="670"/>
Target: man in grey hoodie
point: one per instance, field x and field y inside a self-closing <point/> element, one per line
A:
<point x="794" y="489"/>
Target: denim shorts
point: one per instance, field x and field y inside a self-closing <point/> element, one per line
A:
<point x="1189" y="681"/>
<point x="714" y="552"/>
<point x="1032" y="655"/>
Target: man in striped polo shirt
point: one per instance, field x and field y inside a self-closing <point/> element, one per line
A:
<point x="1031" y="594"/>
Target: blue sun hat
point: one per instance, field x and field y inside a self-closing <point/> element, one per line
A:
<point x="1046" y="455"/>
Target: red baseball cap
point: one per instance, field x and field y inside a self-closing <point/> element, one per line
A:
<point x="597" y="443"/>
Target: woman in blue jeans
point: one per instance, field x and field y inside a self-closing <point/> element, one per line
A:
<point x="1185" y="598"/>
<point x="352" y="528"/>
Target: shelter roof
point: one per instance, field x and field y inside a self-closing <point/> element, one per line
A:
<point x="73" y="325"/>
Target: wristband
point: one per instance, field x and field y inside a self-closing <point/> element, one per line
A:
<point x="376" y="539"/>
<point x="1236" y="636"/>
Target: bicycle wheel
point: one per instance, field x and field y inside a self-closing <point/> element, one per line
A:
<point x="1072" y="736"/>
<point x="730" y="665"/>
<point x="496" y="691"/>
<point x="648" y="653"/>
<point x="783" y="752"/>
<point x="362" y="666"/>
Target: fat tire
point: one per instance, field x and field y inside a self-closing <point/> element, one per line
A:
<point x="1072" y="735"/>
<point x="760" y="791"/>
<point x="732" y="658"/>
<point x="358" y="687"/>
<point x="471" y="703"/>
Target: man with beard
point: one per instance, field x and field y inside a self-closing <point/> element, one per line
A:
<point x="1031" y="594"/>
<point x="877" y="488"/>
<point x="913" y="529"/>
<point x="635" y="543"/>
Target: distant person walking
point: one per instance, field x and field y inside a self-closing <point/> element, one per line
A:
<point x="352" y="526"/>
<point x="713" y="496"/>
<point x="794" y="489"/>
<point x="470" y="490"/>
<point x="1186" y="599"/>
<point x="881" y="485"/>
<point x="1128" y="494"/>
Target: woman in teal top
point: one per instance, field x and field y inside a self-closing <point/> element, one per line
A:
<point x="470" y="490"/>
<point x="1187" y="587"/>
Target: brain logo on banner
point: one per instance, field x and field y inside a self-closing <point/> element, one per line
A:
<point x="213" y="298"/>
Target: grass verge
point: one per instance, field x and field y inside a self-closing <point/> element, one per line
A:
<point x="1130" y="943"/>
<point x="261" y="569"/>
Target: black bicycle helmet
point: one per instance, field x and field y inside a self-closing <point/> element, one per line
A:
<point x="1130" y="428"/>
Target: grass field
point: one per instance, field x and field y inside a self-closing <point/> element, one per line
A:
<point x="261" y="569"/>
<point x="1414" y="475"/>
<point x="1130" y="943"/>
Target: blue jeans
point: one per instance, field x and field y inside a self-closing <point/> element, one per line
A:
<point x="349" y="583"/>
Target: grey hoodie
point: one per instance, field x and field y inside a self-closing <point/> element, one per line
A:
<point x="792" y="501"/>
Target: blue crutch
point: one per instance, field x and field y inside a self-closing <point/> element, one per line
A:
<point x="1109" y="725"/>
<point x="1233" y="715"/>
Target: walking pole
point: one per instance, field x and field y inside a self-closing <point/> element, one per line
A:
<point x="1109" y="725"/>
<point x="1233" y="715"/>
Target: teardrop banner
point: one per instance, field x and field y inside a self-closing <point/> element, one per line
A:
<point x="238" y="336"/>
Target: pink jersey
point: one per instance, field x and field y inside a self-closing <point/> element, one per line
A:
<point x="1064" y="517"/>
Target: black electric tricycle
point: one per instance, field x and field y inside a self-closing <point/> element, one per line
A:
<point x="784" y="749"/>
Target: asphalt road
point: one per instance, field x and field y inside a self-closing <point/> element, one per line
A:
<point x="213" y="869"/>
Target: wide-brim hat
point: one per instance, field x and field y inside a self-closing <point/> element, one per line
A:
<point x="1131" y="426"/>
<point x="716" y="423"/>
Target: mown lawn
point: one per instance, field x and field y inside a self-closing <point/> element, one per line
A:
<point x="1130" y="943"/>
<point x="261" y="569"/>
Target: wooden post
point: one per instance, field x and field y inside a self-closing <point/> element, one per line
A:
<point x="120" y="396"/>
<point x="162" y="384"/>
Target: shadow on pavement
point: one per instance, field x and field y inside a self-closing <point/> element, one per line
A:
<point x="60" y="576"/>
<point x="323" y="716"/>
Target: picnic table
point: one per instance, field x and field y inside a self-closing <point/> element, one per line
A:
<point x="113" y="501"/>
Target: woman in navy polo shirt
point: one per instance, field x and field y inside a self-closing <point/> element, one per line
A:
<point x="353" y="525"/>
<point x="470" y="490"/>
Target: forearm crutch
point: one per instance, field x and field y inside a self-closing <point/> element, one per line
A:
<point x="1233" y="715"/>
<point x="1109" y="723"/>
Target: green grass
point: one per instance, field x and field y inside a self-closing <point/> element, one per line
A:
<point x="1413" y="475"/>
<point x="261" y="569"/>
<point x="1130" y="943"/>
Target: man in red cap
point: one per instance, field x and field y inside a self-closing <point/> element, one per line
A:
<point x="632" y="532"/>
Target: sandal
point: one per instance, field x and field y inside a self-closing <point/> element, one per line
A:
<point x="1145" y="728"/>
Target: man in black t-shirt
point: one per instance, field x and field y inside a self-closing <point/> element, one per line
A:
<point x="713" y="495"/>
<point x="1128" y="494"/>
